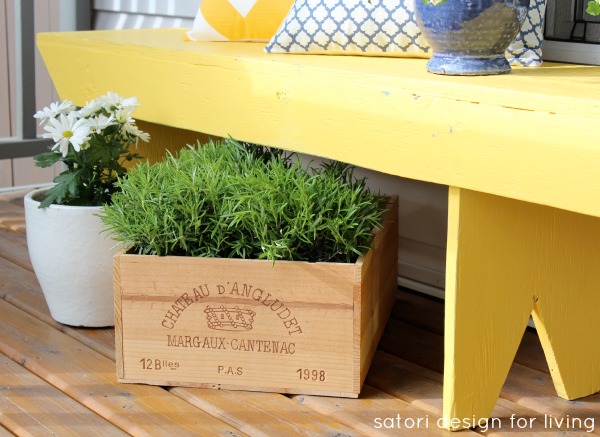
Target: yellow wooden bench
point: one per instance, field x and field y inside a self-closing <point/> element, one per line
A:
<point x="520" y="153"/>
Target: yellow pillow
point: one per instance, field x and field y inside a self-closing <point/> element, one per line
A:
<point x="238" y="20"/>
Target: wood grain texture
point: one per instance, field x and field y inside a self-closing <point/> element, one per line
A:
<point x="165" y="138"/>
<point x="264" y="414"/>
<point x="414" y="383"/>
<point x="534" y="390"/>
<point x="14" y="248"/>
<point x="423" y="389"/>
<point x="432" y="128"/>
<point x="20" y="287"/>
<point x="409" y="371"/>
<point x="5" y="433"/>
<point x="83" y="374"/>
<point x="11" y="217"/>
<point x="375" y="297"/>
<point x="286" y="327"/>
<point x="485" y="318"/>
<point x="548" y="265"/>
<point x="411" y="307"/>
<point x="368" y="415"/>
<point x="30" y="406"/>
<point x="292" y="305"/>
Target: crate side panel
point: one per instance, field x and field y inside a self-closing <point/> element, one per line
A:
<point x="118" y="315"/>
<point x="379" y="273"/>
<point x="245" y="323"/>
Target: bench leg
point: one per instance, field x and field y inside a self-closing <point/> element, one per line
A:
<point x="567" y="307"/>
<point x="507" y="258"/>
<point x="486" y="308"/>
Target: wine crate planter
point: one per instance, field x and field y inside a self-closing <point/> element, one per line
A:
<point x="287" y="327"/>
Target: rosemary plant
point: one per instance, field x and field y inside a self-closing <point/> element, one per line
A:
<point x="226" y="199"/>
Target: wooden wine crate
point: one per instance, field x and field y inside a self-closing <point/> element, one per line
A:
<point x="287" y="327"/>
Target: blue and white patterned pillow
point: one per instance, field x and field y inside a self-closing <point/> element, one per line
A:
<point x="381" y="27"/>
<point x="384" y="27"/>
<point x="526" y="49"/>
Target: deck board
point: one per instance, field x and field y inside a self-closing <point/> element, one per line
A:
<point x="14" y="248"/>
<point x="264" y="414"/>
<point x="405" y="378"/>
<point x="90" y="378"/>
<point x="30" y="406"/>
<point x="20" y="287"/>
<point x="373" y="407"/>
<point x="11" y="211"/>
<point x="5" y="432"/>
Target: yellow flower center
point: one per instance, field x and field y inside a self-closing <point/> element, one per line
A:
<point x="67" y="134"/>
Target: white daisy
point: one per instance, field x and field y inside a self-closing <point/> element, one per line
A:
<point x="130" y="103"/>
<point x="99" y="123"/>
<point x="66" y="130"/>
<point x="123" y="116"/>
<point x="90" y="108"/>
<point x="54" y="110"/>
<point x="113" y="100"/>
<point x="133" y="130"/>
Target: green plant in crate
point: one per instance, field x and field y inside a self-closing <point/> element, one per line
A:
<point x="593" y="7"/>
<point x="225" y="199"/>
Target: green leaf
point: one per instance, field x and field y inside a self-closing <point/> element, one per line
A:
<point x="47" y="159"/>
<point x="593" y="7"/>
<point x="434" y="2"/>
<point x="226" y="199"/>
<point x="98" y="152"/>
<point x="67" y="187"/>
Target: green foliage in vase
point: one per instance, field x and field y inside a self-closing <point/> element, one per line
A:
<point x="593" y="7"/>
<point x="231" y="200"/>
<point x="434" y="2"/>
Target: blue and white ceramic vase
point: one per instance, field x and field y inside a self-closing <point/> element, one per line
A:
<point x="469" y="37"/>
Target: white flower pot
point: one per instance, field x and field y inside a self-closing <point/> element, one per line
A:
<point x="72" y="260"/>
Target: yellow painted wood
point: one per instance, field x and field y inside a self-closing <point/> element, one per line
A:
<point x="567" y="305"/>
<point x="507" y="258"/>
<point x="165" y="138"/>
<point x="530" y="135"/>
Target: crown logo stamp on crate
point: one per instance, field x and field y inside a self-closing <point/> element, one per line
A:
<point x="229" y="319"/>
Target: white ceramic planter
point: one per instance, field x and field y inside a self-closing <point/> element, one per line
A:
<point x="72" y="260"/>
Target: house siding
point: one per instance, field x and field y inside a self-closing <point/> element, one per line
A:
<point x="133" y="14"/>
<point x="22" y="171"/>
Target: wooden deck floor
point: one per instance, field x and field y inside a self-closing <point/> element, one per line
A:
<point x="58" y="380"/>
